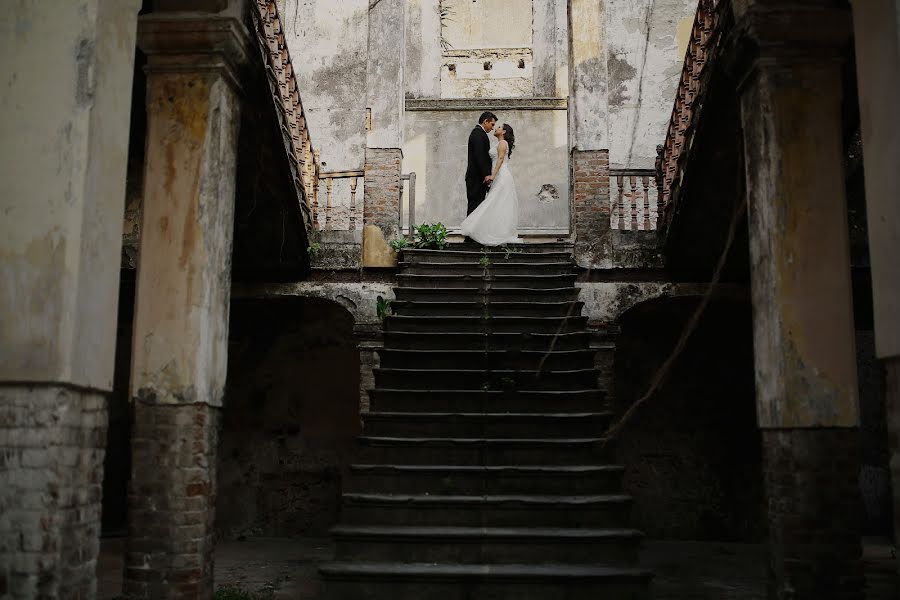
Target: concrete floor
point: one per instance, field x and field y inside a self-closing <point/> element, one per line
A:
<point x="279" y="569"/>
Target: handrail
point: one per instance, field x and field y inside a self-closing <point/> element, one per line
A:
<point x="303" y="158"/>
<point x="328" y="177"/>
<point x="701" y="51"/>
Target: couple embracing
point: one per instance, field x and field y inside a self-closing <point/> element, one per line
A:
<point x="493" y="208"/>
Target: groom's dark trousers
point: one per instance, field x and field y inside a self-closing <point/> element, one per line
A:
<point x="479" y="167"/>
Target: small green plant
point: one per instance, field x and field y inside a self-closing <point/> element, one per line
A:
<point x="485" y="262"/>
<point x="432" y="236"/>
<point x="507" y="251"/>
<point x="313" y="249"/>
<point x="382" y="307"/>
<point x="399" y="243"/>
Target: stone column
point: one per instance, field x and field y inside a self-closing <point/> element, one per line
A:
<point x="589" y="131"/>
<point x="877" y="38"/>
<point x="64" y="119"/>
<point x="183" y="290"/>
<point x="385" y="99"/>
<point x="805" y="360"/>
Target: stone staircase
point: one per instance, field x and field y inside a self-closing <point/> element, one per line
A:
<point x="482" y="471"/>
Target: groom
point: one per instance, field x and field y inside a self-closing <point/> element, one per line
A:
<point x="478" y="173"/>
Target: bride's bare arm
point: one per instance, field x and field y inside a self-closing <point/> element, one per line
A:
<point x="501" y="156"/>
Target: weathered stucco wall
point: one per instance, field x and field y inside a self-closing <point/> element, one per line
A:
<point x="62" y="186"/>
<point x="646" y="44"/>
<point x="328" y="42"/>
<point x="435" y="149"/>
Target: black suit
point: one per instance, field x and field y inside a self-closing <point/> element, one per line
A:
<point x="479" y="167"/>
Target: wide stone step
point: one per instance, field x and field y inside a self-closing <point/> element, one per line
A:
<point x="474" y="545"/>
<point x="483" y="451"/>
<point x="501" y="379"/>
<point x="430" y="399"/>
<point x="485" y="324"/>
<point x="475" y="292"/>
<point x="530" y="282"/>
<point x="467" y="480"/>
<point x="443" y="581"/>
<point x="519" y="510"/>
<point x="487" y="425"/>
<point x="474" y="255"/>
<point x="491" y="359"/>
<point x="421" y="340"/>
<point x="485" y="306"/>
<point x="487" y="267"/>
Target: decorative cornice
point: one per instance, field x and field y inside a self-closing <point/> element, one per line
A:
<point x="475" y="104"/>
<point x="192" y="42"/>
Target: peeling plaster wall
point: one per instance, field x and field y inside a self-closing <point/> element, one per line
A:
<point x="328" y="43"/>
<point x="646" y="45"/>
<point x="66" y="70"/>
<point x="435" y="148"/>
<point x="423" y="49"/>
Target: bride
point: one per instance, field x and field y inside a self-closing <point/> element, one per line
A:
<point x="496" y="219"/>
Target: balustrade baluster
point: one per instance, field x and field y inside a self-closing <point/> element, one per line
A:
<point x="329" y="186"/>
<point x="353" y="183"/>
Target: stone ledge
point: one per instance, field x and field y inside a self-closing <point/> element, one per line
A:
<point x="496" y="104"/>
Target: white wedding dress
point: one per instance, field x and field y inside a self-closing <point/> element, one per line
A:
<point x="496" y="220"/>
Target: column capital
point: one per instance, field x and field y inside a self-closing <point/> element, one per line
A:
<point x="195" y="42"/>
<point x="770" y="33"/>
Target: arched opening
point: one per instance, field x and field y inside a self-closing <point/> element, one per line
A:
<point x="291" y="414"/>
<point x="692" y="451"/>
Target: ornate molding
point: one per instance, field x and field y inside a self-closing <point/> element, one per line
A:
<point x="475" y="104"/>
<point x="191" y="42"/>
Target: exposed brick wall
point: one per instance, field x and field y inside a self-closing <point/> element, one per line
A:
<point x="51" y="469"/>
<point x="382" y="189"/>
<point x="590" y="206"/>
<point x="171" y="501"/>
<point x="814" y="513"/>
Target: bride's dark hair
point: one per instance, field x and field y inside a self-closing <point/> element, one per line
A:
<point x="510" y="138"/>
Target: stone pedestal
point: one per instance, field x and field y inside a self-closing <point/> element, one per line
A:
<point x="804" y="344"/>
<point x="64" y="109"/>
<point x="183" y="290"/>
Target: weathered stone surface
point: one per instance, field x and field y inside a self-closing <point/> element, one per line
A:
<point x="385" y="67"/>
<point x="64" y="133"/>
<point x="813" y="512"/>
<point x="51" y="467"/>
<point x="172" y="499"/>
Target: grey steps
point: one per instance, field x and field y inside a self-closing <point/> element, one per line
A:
<point x="467" y="479"/>
<point x="421" y="340"/>
<point x="488" y="425"/>
<point x="490" y="359"/>
<point x="485" y="324"/>
<point x="500" y="379"/>
<point x="506" y="510"/>
<point x="477" y="292"/>
<point x="483" y="451"/>
<point x="429" y="581"/>
<point x="487" y="306"/>
<point x="432" y="400"/>
<point x="493" y="267"/>
<point x="527" y="282"/>
<point x="475" y="255"/>
<point x="496" y="545"/>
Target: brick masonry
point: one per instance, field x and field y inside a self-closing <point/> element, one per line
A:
<point x="590" y="207"/>
<point x="382" y="189"/>
<point x="172" y="499"/>
<point x="814" y="513"/>
<point x="52" y="443"/>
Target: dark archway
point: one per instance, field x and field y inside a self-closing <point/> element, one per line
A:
<point x="290" y="417"/>
<point x="692" y="451"/>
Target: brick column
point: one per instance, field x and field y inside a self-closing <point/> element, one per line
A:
<point x="589" y="119"/>
<point x="590" y="207"/>
<point x="385" y="69"/>
<point x="804" y="345"/>
<point x="183" y="290"/>
<point x="64" y="119"/>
